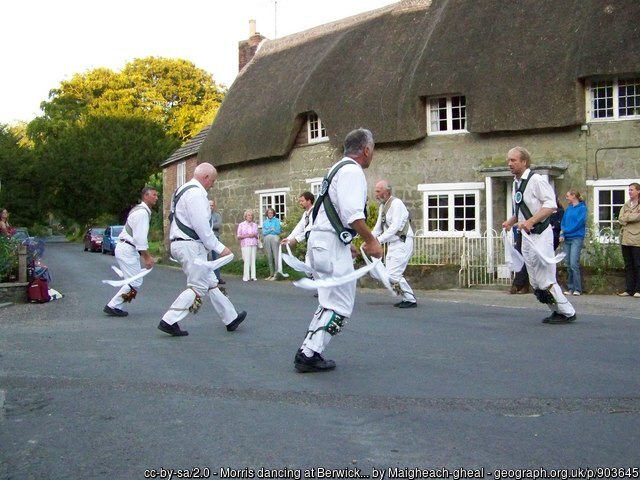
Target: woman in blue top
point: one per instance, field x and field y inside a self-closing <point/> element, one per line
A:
<point x="573" y="231"/>
<point x="271" y="240"/>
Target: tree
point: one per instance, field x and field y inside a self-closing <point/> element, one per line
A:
<point x="103" y="133"/>
<point x="19" y="177"/>
<point x="101" y="166"/>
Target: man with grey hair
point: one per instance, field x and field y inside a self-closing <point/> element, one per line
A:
<point x="338" y="216"/>
<point x="393" y="228"/>
<point x="191" y="239"/>
<point x="533" y="202"/>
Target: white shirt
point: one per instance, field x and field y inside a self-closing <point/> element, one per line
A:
<point x="537" y="194"/>
<point x="193" y="211"/>
<point x="348" y="193"/>
<point x="396" y="217"/>
<point x="138" y="221"/>
<point x="305" y="223"/>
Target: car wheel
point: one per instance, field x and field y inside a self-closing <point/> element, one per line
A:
<point x="85" y="247"/>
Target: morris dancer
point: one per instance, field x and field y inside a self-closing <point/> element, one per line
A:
<point x="393" y="227"/>
<point x="191" y="239"/>
<point x="534" y="201"/>
<point x="132" y="246"/>
<point x="338" y="215"/>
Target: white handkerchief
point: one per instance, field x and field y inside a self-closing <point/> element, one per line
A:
<point x="512" y="257"/>
<point x="379" y="272"/>
<point x="548" y="260"/>
<point x="309" y="284"/>
<point x="119" y="283"/>
<point x="285" y="275"/>
<point x="296" y="264"/>
<point x="215" y="264"/>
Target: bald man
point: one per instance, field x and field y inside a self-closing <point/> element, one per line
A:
<point x="191" y="239"/>
<point x="393" y="228"/>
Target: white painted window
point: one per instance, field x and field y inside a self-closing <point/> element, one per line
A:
<point x="314" y="185"/>
<point x="608" y="198"/>
<point x="451" y="209"/>
<point x="315" y="129"/>
<point x="613" y="99"/>
<point x="181" y="174"/>
<point x="274" y="198"/>
<point x="447" y="115"/>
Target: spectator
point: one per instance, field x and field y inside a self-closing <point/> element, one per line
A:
<point x="248" y="235"/>
<point x="629" y="219"/>
<point x="271" y="240"/>
<point x="6" y="230"/>
<point x="572" y="233"/>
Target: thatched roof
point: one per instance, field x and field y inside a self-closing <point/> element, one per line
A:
<point x="519" y="64"/>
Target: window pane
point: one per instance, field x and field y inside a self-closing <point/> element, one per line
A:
<point x="629" y="97"/>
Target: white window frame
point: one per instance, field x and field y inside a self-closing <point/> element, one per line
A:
<point x="604" y="185"/>
<point x="450" y="190"/>
<point x="314" y="185"/>
<point x="592" y="84"/>
<point x="316" y="131"/>
<point x="449" y="108"/>
<point x="181" y="174"/>
<point x="266" y="200"/>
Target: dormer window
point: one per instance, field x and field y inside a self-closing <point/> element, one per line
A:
<point x="613" y="99"/>
<point x="315" y="129"/>
<point x="446" y="115"/>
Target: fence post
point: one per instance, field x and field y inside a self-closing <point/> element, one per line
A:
<point x="22" y="263"/>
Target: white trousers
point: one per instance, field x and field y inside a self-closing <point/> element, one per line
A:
<point x="543" y="275"/>
<point x="329" y="257"/>
<point x="398" y="256"/>
<point x="128" y="260"/>
<point x="249" y="260"/>
<point x="201" y="281"/>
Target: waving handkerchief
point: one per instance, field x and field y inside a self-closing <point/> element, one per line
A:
<point x="280" y="272"/>
<point x="126" y="281"/>
<point x="513" y="258"/>
<point x="296" y="264"/>
<point x="309" y="284"/>
<point x="548" y="260"/>
<point x="379" y="271"/>
<point x="215" y="264"/>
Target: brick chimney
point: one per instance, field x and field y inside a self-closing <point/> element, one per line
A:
<point x="248" y="48"/>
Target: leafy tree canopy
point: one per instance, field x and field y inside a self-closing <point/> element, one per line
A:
<point x="172" y="92"/>
<point x="104" y="133"/>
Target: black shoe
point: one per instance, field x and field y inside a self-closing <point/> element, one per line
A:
<point x="405" y="304"/>
<point x="305" y="364"/>
<point x="562" y="319"/>
<point x="553" y="316"/>
<point x="233" y="325"/>
<point x="114" y="312"/>
<point x="173" y="330"/>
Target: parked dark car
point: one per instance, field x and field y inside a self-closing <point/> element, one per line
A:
<point x="110" y="238"/>
<point x="93" y="239"/>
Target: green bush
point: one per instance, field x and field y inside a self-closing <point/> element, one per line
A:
<point x="8" y="259"/>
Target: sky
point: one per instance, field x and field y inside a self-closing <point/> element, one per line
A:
<point x="45" y="42"/>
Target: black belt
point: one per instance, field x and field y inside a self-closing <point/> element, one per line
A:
<point x="128" y="242"/>
<point x="182" y="239"/>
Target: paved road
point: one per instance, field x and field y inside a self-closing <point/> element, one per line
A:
<point x="464" y="381"/>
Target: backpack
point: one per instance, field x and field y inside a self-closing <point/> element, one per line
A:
<point x="38" y="290"/>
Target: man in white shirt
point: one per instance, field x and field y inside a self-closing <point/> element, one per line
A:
<point x="192" y="238"/>
<point x="298" y="234"/>
<point x="132" y="246"/>
<point x="393" y="228"/>
<point x="534" y="201"/>
<point x="339" y="216"/>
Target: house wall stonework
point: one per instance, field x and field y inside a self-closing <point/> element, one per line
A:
<point x="440" y="159"/>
